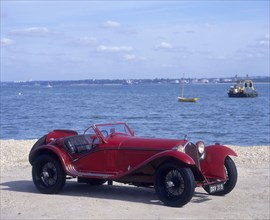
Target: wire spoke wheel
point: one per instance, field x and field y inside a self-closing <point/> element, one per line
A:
<point x="174" y="184"/>
<point x="48" y="174"/>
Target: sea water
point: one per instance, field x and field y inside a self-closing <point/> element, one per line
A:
<point x="29" y="112"/>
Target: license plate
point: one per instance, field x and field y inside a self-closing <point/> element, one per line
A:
<point x="216" y="187"/>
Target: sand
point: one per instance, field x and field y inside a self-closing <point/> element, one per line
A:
<point x="20" y="200"/>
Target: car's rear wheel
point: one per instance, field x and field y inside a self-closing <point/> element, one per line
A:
<point x="48" y="174"/>
<point x="231" y="173"/>
<point x="174" y="185"/>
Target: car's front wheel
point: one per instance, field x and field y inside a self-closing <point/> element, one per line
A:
<point x="174" y="185"/>
<point x="48" y="174"/>
<point x="231" y="174"/>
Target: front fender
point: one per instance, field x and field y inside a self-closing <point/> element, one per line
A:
<point x="180" y="156"/>
<point x="51" y="149"/>
<point x="213" y="164"/>
<point x="159" y="158"/>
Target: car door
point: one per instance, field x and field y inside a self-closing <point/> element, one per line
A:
<point x="93" y="161"/>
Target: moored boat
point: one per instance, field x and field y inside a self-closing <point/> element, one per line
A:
<point x="182" y="99"/>
<point x="243" y="89"/>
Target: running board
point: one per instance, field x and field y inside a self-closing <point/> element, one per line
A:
<point x="71" y="170"/>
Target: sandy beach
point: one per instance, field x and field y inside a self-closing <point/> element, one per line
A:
<point x="20" y="200"/>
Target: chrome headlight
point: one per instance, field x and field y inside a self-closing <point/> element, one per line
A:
<point x="201" y="147"/>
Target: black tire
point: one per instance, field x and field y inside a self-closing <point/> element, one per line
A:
<point x="48" y="174"/>
<point x="231" y="173"/>
<point x="92" y="182"/>
<point x="174" y="185"/>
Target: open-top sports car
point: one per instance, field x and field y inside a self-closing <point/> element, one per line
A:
<point x="111" y="152"/>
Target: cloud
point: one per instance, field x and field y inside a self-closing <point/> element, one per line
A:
<point x="164" y="46"/>
<point x="7" y="42"/>
<point x="103" y="48"/>
<point x="264" y="41"/>
<point x="111" y="24"/>
<point x="119" y="28"/>
<point x="258" y="49"/>
<point x="184" y="52"/>
<point x="87" y="41"/>
<point x="220" y="57"/>
<point x="32" y="31"/>
<point x="167" y="65"/>
<point x="133" y="57"/>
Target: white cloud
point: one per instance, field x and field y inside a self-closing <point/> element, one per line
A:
<point x="133" y="57"/>
<point x="31" y="31"/>
<point x="7" y="42"/>
<point x="257" y="49"/>
<point x="87" y="40"/>
<point x="103" y="48"/>
<point x="111" y="24"/>
<point x="164" y="45"/>
<point x="265" y="40"/>
<point x="167" y="65"/>
<point x="220" y="57"/>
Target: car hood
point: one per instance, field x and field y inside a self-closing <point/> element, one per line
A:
<point x="150" y="143"/>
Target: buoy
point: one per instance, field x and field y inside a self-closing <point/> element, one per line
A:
<point x="19" y="93"/>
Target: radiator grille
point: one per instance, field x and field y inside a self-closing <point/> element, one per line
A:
<point x="192" y="151"/>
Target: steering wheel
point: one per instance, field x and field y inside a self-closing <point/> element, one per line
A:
<point x="93" y="141"/>
<point x="104" y="133"/>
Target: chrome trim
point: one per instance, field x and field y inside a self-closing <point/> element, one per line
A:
<point x="202" y="157"/>
<point x="187" y="143"/>
<point x="73" y="172"/>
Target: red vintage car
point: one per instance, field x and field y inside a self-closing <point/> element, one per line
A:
<point x="111" y="152"/>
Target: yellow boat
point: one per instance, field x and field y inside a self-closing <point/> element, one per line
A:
<point x="182" y="98"/>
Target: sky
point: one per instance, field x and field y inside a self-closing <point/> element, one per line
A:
<point x="71" y="40"/>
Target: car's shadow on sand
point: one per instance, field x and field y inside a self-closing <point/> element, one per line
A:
<point x="112" y="192"/>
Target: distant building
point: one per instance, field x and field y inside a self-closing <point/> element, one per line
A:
<point x="227" y="80"/>
<point x="175" y="81"/>
<point x="127" y="82"/>
<point x="204" y="81"/>
<point x="194" y="81"/>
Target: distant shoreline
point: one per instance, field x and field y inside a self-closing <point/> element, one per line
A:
<point x="119" y="84"/>
<point x="156" y="81"/>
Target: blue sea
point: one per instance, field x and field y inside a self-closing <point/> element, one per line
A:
<point x="29" y="112"/>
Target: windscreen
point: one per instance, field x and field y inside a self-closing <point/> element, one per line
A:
<point x="110" y="129"/>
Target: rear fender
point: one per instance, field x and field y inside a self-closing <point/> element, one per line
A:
<point x="59" y="134"/>
<point x="62" y="156"/>
<point x="213" y="164"/>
